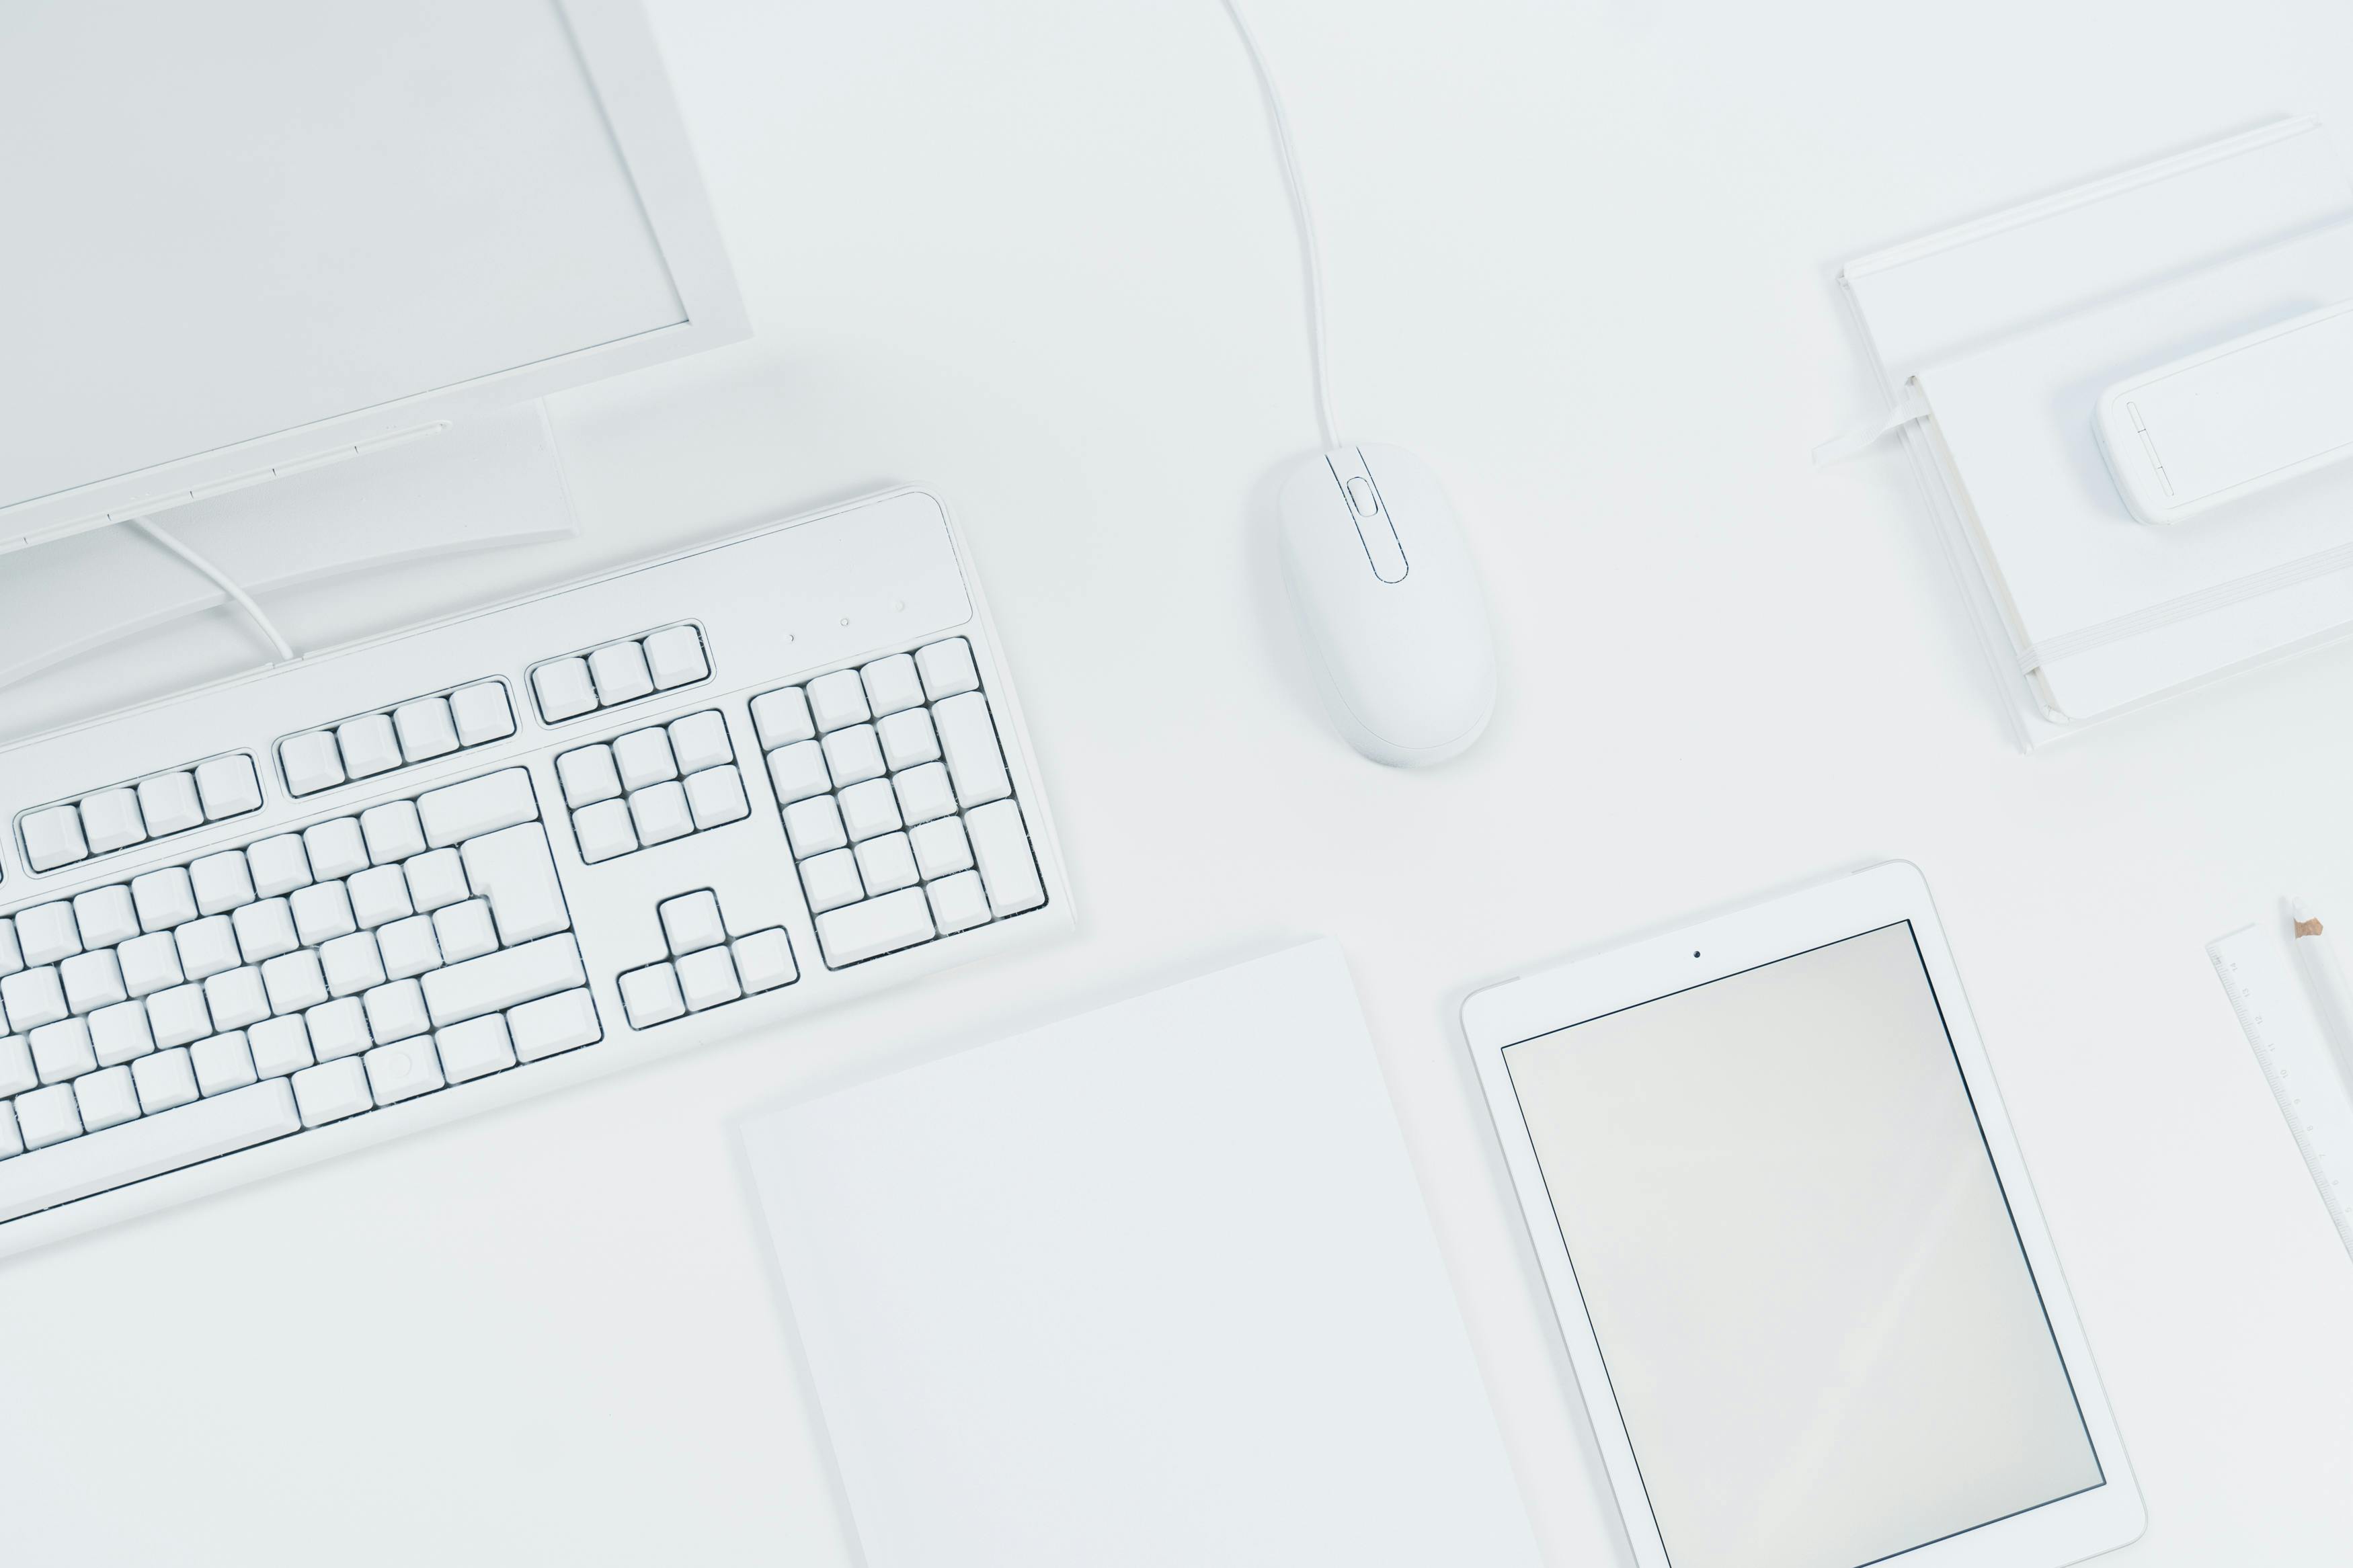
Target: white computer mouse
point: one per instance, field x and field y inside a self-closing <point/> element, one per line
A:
<point x="1390" y="603"/>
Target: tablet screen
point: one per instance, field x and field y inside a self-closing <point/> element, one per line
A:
<point x="1814" y="1310"/>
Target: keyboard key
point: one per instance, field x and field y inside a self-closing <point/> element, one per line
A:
<point x="12" y="952"/>
<point x="222" y="881"/>
<point x="164" y="898"/>
<point x="798" y="772"/>
<point x="63" y="1050"/>
<point x="379" y="895"/>
<point x="207" y="947"/>
<point x="336" y="1029"/>
<point x="265" y="930"/>
<point x="312" y="762"/>
<point x="427" y="728"/>
<point x="278" y="865"/>
<point x="853" y="755"/>
<point x="1001" y="844"/>
<point x="403" y="1070"/>
<point x="369" y="745"/>
<point x="859" y="932"/>
<point x="644" y="759"/>
<point x="49" y="933"/>
<point x="563" y="689"/>
<point x="168" y="804"/>
<point x="150" y="963"/>
<point x="224" y="1062"/>
<point x="106" y="1098"/>
<point x="166" y="1079"/>
<point x="482" y="712"/>
<point x="237" y="998"/>
<point x="715" y="797"/>
<point x="908" y="739"/>
<point x="838" y="700"/>
<point x="782" y="718"/>
<point x="408" y="947"/>
<point x="501" y="979"/>
<point x="281" y="1046"/>
<point x="16" y="1074"/>
<point x="970" y="739"/>
<point x="618" y="670"/>
<point x="940" y="848"/>
<point x="604" y="830"/>
<point x="650" y="995"/>
<point x="352" y="964"/>
<point x="11" y="1142"/>
<point x="958" y="902"/>
<point x="563" y="1022"/>
<point x="111" y="820"/>
<point x="395" y="1012"/>
<point x="892" y="684"/>
<point x="331" y="1091"/>
<point x="44" y="1117"/>
<point x="661" y="814"/>
<point x="831" y="880"/>
<point x="91" y="981"/>
<point x="764" y="960"/>
<point x="675" y="656"/>
<point x="700" y="740"/>
<point x="691" y="922"/>
<point x="147" y="1147"/>
<point x="177" y="1016"/>
<point x="32" y="997"/>
<point x="868" y="809"/>
<point x="323" y="911"/>
<point x="924" y="792"/>
<point x="295" y="982"/>
<point x="707" y="979"/>
<point x="227" y="786"/>
<point x="887" y="864"/>
<point x="336" y="848"/>
<point x="105" y="916"/>
<point x="474" y="1049"/>
<point x="947" y="669"/>
<point x="515" y="872"/>
<point x="53" y="837"/>
<point x="437" y="878"/>
<point x="481" y="805"/>
<point x="465" y="930"/>
<point x="588" y="776"/>
<point x="814" y="826"/>
<point x="393" y="831"/>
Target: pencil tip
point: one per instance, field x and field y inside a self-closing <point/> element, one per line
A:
<point x="2306" y="922"/>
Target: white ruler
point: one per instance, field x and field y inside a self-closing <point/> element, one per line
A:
<point x="2269" y="997"/>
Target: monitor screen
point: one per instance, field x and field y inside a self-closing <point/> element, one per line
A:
<point x="1816" y="1315"/>
<point x="230" y="220"/>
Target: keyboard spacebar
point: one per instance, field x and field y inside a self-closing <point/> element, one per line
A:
<point x="149" y="1146"/>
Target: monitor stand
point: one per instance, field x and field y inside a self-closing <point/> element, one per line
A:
<point x="486" y="481"/>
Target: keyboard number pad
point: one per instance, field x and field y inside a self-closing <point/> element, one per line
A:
<point x="897" y="803"/>
<point x="651" y="786"/>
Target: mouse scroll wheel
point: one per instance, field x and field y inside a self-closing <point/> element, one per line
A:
<point x="1361" y="496"/>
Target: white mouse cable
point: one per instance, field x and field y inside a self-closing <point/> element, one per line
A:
<point x="1311" y="256"/>
<point x="222" y="581"/>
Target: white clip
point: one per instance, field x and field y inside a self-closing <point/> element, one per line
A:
<point x="1912" y="404"/>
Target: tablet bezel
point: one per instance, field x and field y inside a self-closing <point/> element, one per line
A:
<point x="2065" y="1530"/>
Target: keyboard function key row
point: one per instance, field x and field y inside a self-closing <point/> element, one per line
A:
<point x="176" y="801"/>
<point x="402" y="735"/>
<point x="619" y="671"/>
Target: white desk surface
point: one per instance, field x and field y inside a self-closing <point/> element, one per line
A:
<point x="1034" y="254"/>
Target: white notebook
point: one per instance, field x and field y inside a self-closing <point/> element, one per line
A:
<point x="1152" y="1286"/>
<point x="2011" y="326"/>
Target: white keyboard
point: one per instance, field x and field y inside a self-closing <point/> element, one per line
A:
<point x="328" y="902"/>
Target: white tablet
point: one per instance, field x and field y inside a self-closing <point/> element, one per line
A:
<point x="1813" y="1310"/>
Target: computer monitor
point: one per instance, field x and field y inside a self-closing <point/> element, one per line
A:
<point x="247" y="237"/>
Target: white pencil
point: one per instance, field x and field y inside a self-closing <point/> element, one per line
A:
<point x="2330" y="993"/>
